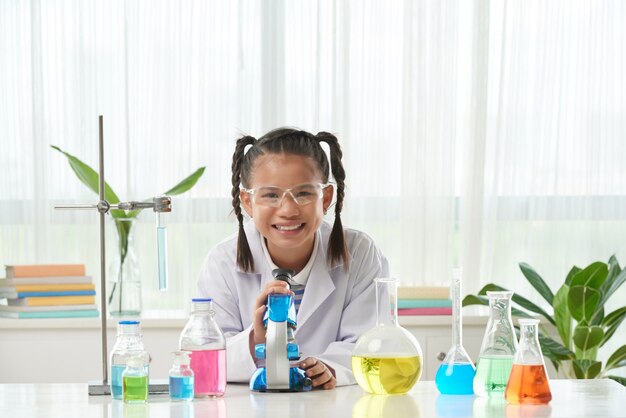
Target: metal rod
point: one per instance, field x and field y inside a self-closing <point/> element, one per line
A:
<point x="103" y="305"/>
<point x="76" y="207"/>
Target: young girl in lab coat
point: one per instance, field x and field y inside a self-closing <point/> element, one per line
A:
<point x="282" y="182"/>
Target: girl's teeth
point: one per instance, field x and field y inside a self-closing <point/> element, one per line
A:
<point x="288" y="228"/>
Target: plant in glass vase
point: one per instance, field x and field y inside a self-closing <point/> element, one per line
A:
<point x="125" y="293"/>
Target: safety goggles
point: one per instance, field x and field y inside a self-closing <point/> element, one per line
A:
<point x="273" y="196"/>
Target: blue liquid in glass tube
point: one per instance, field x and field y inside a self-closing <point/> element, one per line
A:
<point x="116" y="380"/>
<point x="181" y="388"/>
<point x="162" y="256"/>
<point x="455" y="378"/>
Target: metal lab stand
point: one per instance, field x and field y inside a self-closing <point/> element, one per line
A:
<point x="158" y="204"/>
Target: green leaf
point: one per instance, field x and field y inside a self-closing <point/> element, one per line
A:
<point x="570" y="275"/>
<point x="553" y="349"/>
<point x="617" y="359"/>
<point x="587" y="337"/>
<point x="611" y="285"/>
<point x="537" y="282"/>
<point x="520" y="300"/>
<point x="618" y="379"/>
<point x="592" y="276"/>
<point x="562" y="316"/>
<point x="612" y="322"/>
<point x="587" y="369"/>
<point x="475" y="300"/>
<point x="186" y="184"/>
<point x="88" y="176"/>
<point x="582" y="302"/>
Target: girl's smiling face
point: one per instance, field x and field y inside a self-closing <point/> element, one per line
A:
<point x="289" y="229"/>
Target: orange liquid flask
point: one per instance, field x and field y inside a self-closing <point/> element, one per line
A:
<point x="528" y="382"/>
<point x="528" y="385"/>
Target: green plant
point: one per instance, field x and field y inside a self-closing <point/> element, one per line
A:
<point x="90" y="178"/>
<point x="578" y="315"/>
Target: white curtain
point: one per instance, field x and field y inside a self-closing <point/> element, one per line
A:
<point x="479" y="134"/>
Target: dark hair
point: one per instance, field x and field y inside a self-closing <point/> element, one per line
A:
<point x="295" y="142"/>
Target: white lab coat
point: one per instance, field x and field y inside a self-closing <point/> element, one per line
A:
<point x="337" y="306"/>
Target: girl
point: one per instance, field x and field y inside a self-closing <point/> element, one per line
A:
<point x="282" y="183"/>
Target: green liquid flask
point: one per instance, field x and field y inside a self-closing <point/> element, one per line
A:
<point x="498" y="348"/>
<point x="135" y="380"/>
<point x="387" y="359"/>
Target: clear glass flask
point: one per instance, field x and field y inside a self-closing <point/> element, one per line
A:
<point x="135" y="379"/>
<point x="456" y="373"/>
<point x="528" y="382"/>
<point x="181" y="378"/>
<point x="387" y="359"/>
<point x="498" y="347"/>
<point x="204" y="340"/>
<point x="128" y="343"/>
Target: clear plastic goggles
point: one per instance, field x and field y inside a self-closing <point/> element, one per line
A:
<point x="273" y="196"/>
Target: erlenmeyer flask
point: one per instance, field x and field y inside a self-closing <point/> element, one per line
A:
<point x="456" y="373"/>
<point x="387" y="359"/>
<point x="498" y="348"/>
<point x="528" y="383"/>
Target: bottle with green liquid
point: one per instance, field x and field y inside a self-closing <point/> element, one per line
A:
<point x="498" y="348"/>
<point x="135" y="380"/>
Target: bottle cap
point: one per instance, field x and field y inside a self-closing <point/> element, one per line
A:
<point x="136" y="360"/>
<point x="180" y="357"/>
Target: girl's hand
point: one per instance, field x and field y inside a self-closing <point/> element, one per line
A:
<point x="322" y="376"/>
<point x="257" y="336"/>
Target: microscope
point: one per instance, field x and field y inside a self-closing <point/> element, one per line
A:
<point x="276" y="373"/>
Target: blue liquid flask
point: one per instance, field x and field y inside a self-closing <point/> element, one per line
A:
<point x="128" y="343"/>
<point x="456" y="373"/>
<point x="181" y="377"/>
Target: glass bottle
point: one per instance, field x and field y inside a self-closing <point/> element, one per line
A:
<point x="124" y="272"/>
<point x="528" y="383"/>
<point x="135" y="379"/>
<point x="456" y="373"/>
<point x="204" y="340"/>
<point x="498" y="347"/>
<point x="387" y="359"/>
<point x="181" y="377"/>
<point x="128" y="343"/>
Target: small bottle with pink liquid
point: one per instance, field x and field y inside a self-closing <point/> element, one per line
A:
<point x="205" y="342"/>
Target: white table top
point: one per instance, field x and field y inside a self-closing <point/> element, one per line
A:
<point x="570" y="398"/>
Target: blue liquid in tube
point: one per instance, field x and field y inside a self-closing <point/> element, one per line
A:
<point x="162" y="256"/>
<point x="455" y="378"/>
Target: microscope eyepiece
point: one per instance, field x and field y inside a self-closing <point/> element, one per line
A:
<point x="283" y="274"/>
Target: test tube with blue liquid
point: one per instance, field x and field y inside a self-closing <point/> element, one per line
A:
<point x="456" y="373"/>
<point x="161" y="252"/>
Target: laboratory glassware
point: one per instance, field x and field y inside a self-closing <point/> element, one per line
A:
<point x="181" y="378"/>
<point x="124" y="272"/>
<point x="456" y="373"/>
<point x="204" y="340"/>
<point x="528" y="383"/>
<point x="387" y="359"/>
<point x="498" y="347"/>
<point x="128" y="343"/>
<point x="135" y="379"/>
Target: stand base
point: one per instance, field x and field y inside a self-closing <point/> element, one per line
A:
<point x="155" y="387"/>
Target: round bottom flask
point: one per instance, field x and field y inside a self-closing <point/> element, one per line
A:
<point x="387" y="359"/>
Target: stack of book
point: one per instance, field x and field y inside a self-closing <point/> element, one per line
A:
<point x="47" y="291"/>
<point x="424" y="300"/>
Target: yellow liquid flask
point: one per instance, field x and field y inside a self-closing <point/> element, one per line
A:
<point x="387" y="359"/>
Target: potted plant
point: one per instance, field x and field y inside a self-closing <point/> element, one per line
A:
<point x="578" y="315"/>
<point x="124" y="269"/>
